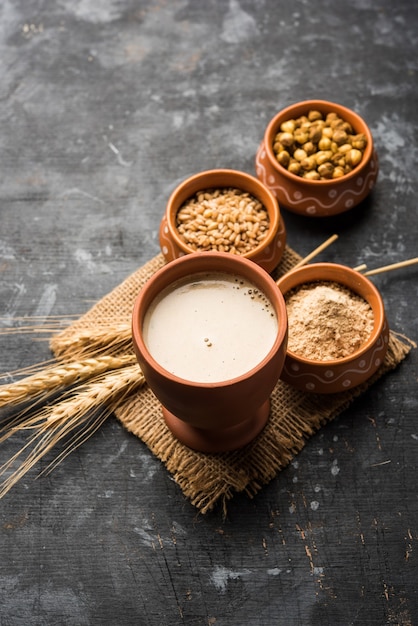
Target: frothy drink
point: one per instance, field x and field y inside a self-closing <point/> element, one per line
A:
<point x="210" y="327"/>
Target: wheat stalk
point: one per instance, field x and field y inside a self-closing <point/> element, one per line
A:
<point x="98" y="370"/>
<point x="28" y="370"/>
<point x="111" y="339"/>
<point x="25" y="325"/>
<point x="59" y="376"/>
<point x="108" y="335"/>
<point x="76" y="415"/>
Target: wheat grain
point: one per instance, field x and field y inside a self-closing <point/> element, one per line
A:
<point x="223" y="220"/>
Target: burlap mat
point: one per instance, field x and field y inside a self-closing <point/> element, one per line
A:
<point x="211" y="479"/>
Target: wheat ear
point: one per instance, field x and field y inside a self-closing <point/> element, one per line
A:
<point x="58" y="377"/>
<point x="76" y="416"/>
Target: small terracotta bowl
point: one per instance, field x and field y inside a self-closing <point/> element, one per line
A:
<point x="217" y="416"/>
<point x="267" y="254"/>
<point x="316" y="198"/>
<point x="337" y="375"/>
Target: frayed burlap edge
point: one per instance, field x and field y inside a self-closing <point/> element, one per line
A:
<point x="211" y="479"/>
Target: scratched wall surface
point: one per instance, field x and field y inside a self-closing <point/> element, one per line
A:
<point x="106" y="105"/>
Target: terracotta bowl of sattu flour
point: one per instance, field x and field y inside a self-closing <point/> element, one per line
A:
<point x="223" y="210"/>
<point x="338" y="333"/>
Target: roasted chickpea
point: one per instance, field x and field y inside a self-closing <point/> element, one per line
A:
<point x="319" y="147"/>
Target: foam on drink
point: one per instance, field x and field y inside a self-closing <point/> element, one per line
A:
<point x="210" y="327"/>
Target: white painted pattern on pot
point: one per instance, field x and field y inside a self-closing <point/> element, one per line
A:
<point x="347" y="197"/>
<point x="341" y="380"/>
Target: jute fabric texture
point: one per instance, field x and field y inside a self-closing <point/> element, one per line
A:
<point x="211" y="480"/>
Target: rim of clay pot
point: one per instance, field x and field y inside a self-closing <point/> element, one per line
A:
<point x="223" y="178"/>
<point x="325" y="106"/>
<point x="197" y="263"/>
<point x="353" y="280"/>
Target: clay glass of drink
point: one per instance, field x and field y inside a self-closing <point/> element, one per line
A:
<point x="210" y="334"/>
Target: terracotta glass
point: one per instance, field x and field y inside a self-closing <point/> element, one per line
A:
<point x="213" y="417"/>
<point x="339" y="374"/>
<point x="316" y="198"/>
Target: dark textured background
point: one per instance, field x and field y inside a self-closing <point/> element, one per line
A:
<point x="105" y="106"/>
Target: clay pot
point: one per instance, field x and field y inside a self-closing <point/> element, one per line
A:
<point x="348" y="372"/>
<point x="267" y="254"/>
<point x="316" y="198"/>
<point x="213" y="417"/>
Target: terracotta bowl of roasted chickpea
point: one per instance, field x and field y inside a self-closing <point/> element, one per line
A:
<point x="338" y="332"/>
<point x="224" y="210"/>
<point x="318" y="158"/>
